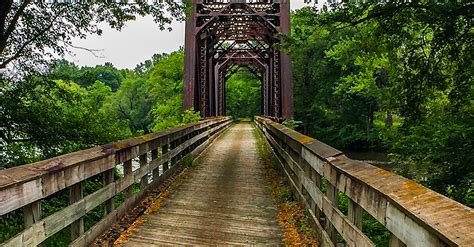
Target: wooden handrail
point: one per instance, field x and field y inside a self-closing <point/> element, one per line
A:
<point x="25" y="186"/>
<point x="415" y="215"/>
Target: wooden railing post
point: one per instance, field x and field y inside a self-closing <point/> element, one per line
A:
<point x="189" y="148"/>
<point x="395" y="242"/>
<point x="75" y="195"/>
<point x="26" y="187"/>
<point x="355" y="213"/>
<point x="108" y="178"/>
<point x="334" y="198"/>
<point x="317" y="179"/>
<point x="173" y="146"/>
<point x="165" y="150"/>
<point x="127" y="169"/>
<point x="143" y="162"/>
<point x="32" y="213"/>
<point x="156" y="172"/>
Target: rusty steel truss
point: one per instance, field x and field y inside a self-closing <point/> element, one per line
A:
<point x="223" y="36"/>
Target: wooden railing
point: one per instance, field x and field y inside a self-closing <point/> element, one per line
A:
<point x="414" y="215"/>
<point x="158" y="155"/>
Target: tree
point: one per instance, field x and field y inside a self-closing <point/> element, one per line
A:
<point x="132" y="103"/>
<point x="86" y="76"/>
<point x="165" y="83"/>
<point x="397" y="72"/>
<point x="43" y="118"/>
<point x="30" y="31"/>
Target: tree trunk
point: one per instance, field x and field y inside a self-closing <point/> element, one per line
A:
<point x="389" y="120"/>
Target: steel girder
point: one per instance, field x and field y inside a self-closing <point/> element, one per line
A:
<point x="225" y="35"/>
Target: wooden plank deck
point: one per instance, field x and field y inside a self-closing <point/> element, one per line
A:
<point x="226" y="201"/>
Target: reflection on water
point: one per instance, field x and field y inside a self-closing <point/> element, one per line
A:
<point x="376" y="158"/>
<point x="367" y="155"/>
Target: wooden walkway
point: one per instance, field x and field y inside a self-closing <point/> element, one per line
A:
<point x="225" y="202"/>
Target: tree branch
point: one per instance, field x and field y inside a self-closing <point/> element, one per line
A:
<point x="28" y="42"/>
<point x="92" y="51"/>
<point x="16" y="17"/>
<point x="5" y="7"/>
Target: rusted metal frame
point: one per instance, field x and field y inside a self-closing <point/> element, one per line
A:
<point x="254" y="71"/>
<point x="218" y="42"/>
<point x="216" y="33"/>
<point x="190" y="57"/>
<point x="271" y="82"/>
<point x="211" y="20"/>
<point x="271" y="26"/>
<point x="265" y="91"/>
<point x="246" y="16"/>
<point x="222" y="110"/>
<point x="217" y="89"/>
<point x="261" y="35"/>
<point x="212" y="85"/>
<point x="285" y="63"/>
<point x="232" y="15"/>
<point x="253" y="31"/>
<point x="203" y="80"/>
<point x="206" y="24"/>
<point x="260" y="52"/>
<point x="232" y="70"/>
<point x="264" y="18"/>
<point x="225" y="51"/>
<point x="248" y="66"/>
<point x="228" y="65"/>
<point x="276" y="84"/>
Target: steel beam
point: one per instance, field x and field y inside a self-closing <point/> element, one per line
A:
<point x="237" y="33"/>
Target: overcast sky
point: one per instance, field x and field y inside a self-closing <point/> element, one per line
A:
<point x="137" y="42"/>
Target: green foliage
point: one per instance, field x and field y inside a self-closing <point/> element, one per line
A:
<point x="43" y="118"/>
<point x="11" y="224"/>
<point x="69" y="108"/>
<point x="165" y="84"/>
<point x="375" y="230"/>
<point x="191" y="116"/>
<point x="86" y="76"/>
<point x="292" y="124"/>
<point x="394" y="76"/>
<point x="243" y="92"/>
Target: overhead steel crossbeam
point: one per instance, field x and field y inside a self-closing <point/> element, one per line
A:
<point x="223" y="36"/>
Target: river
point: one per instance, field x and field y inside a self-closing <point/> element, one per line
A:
<point x="376" y="158"/>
